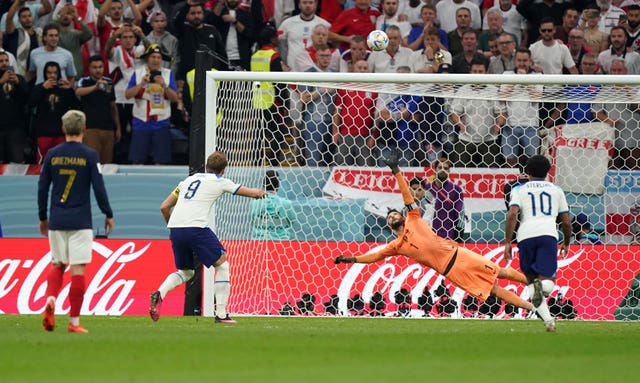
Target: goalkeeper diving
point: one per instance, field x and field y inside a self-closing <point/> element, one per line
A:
<point x="464" y="268"/>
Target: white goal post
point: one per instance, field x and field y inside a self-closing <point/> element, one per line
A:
<point x="338" y="201"/>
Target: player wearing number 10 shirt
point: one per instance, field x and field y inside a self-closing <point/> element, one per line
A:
<point x="538" y="203"/>
<point x="72" y="168"/>
<point x="187" y="211"/>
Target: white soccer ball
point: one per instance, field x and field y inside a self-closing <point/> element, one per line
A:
<point x="377" y="40"/>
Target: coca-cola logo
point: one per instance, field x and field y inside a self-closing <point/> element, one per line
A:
<point x="388" y="278"/>
<point x="107" y="293"/>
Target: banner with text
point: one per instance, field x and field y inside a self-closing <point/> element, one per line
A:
<point x="123" y="274"/>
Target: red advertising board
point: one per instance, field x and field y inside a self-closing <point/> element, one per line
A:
<point x="124" y="272"/>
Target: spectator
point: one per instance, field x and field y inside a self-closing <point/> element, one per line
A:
<point x="99" y="104"/>
<point x="412" y="9"/>
<point x="122" y="64"/>
<point x="357" y="51"/>
<point x="618" y="49"/>
<point x="38" y="11"/>
<point x="581" y="112"/>
<point x="447" y="14"/>
<point x="624" y="118"/>
<point x="461" y="63"/>
<point x="390" y="16"/>
<point x="520" y="138"/>
<point x="272" y="216"/>
<point x="307" y="58"/>
<point x="610" y="16"/>
<point x="12" y="58"/>
<point x="237" y="31"/>
<point x="478" y="122"/>
<point x="416" y="37"/>
<point x="319" y="108"/>
<point x="506" y="61"/>
<point x="269" y="98"/>
<point x="295" y="32"/>
<point x="153" y="88"/>
<point x="431" y="117"/>
<point x="594" y="38"/>
<point x="534" y="12"/>
<point x="463" y="22"/>
<point x="448" y="202"/>
<point x="51" y="98"/>
<point x="397" y="129"/>
<point x="429" y="59"/>
<point x="357" y="21"/>
<point x="632" y="26"/>
<point x="577" y="49"/>
<point x="72" y="39"/>
<point x="581" y="230"/>
<point x="192" y="34"/>
<point x="423" y="199"/>
<point x="13" y="99"/>
<point x="390" y="59"/>
<point x="569" y="21"/>
<point x="513" y="22"/>
<point x="22" y="40"/>
<point x="49" y="52"/>
<point x="353" y="124"/>
<point x="159" y="35"/>
<point x="110" y="19"/>
<point x="634" y="226"/>
<point x="548" y="54"/>
<point x="494" y="23"/>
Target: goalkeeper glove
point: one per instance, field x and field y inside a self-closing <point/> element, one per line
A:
<point x="392" y="162"/>
<point x="343" y="259"/>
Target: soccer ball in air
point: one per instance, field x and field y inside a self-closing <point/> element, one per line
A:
<point x="377" y="40"/>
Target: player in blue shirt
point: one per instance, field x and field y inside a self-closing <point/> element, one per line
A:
<point x="72" y="168"/>
<point x="538" y="203"/>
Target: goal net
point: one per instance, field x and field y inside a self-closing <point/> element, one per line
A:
<point x="322" y="136"/>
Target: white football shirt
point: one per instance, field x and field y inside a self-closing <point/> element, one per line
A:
<point x="540" y="202"/>
<point x="197" y="196"/>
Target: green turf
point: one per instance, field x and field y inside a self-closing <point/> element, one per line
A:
<point x="276" y="349"/>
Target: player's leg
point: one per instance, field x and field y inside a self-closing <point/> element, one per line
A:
<point x="211" y="253"/>
<point x="59" y="261"/>
<point x="221" y="290"/>
<point x="183" y="260"/>
<point x="538" y="259"/>
<point x="79" y="245"/>
<point x="512" y="275"/>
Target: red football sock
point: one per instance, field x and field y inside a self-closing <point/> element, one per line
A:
<point x="76" y="295"/>
<point x="54" y="281"/>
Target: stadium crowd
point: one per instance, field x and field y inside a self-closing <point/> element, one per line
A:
<point x="97" y="56"/>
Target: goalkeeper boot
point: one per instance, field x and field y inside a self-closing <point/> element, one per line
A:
<point x="154" y="307"/>
<point x="538" y="296"/>
<point x="48" y="316"/>
<point x="225" y="320"/>
<point x="77" y="329"/>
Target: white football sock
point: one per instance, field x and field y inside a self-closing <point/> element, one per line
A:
<point x="547" y="286"/>
<point x="174" y="280"/>
<point x="221" y="288"/>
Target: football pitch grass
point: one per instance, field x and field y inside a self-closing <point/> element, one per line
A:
<point x="294" y="349"/>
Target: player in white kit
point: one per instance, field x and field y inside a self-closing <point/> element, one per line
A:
<point x="538" y="203"/>
<point x="187" y="211"/>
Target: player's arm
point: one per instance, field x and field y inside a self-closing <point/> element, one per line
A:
<point x="366" y="258"/>
<point x="510" y="228"/>
<point x="565" y="224"/>
<point x="167" y="205"/>
<point x="250" y="192"/>
<point x="407" y="196"/>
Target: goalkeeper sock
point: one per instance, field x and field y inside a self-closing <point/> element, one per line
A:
<point x="174" y="280"/>
<point x="221" y="288"/>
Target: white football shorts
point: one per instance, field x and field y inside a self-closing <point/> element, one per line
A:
<point x="71" y="247"/>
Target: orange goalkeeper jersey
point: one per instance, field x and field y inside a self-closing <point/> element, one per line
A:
<point x="417" y="241"/>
